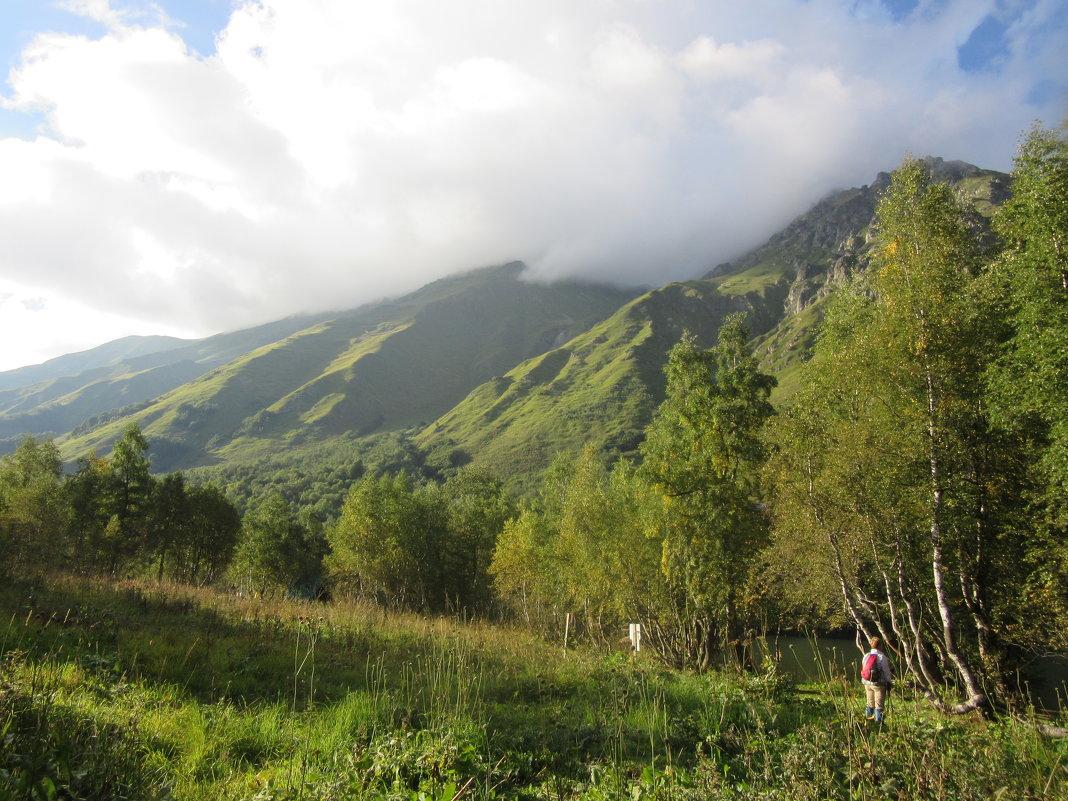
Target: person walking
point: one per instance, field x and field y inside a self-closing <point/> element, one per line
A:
<point x="876" y="676"/>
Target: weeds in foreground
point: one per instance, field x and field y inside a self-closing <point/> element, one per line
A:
<point x="149" y="692"/>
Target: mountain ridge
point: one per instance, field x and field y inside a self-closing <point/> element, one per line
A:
<point x="482" y="365"/>
<point x="393" y="364"/>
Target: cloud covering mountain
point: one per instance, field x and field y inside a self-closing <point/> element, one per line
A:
<point x="328" y="152"/>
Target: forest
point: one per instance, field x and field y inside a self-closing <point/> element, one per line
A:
<point x="914" y="487"/>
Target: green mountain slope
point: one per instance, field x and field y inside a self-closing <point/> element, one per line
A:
<point x="600" y="387"/>
<point x="119" y="376"/>
<point x="482" y="367"/>
<point x="104" y="355"/>
<point x="382" y="367"/>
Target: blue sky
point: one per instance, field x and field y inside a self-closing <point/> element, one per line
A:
<point x="190" y="167"/>
<point x="196" y="21"/>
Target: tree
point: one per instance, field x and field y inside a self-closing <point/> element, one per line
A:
<point x="168" y="519"/>
<point x="924" y="276"/>
<point x="85" y="492"/>
<point x="275" y="552"/>
<point x="703" y="451"/>
<point x="128" y="498"/>
<point x="211" y="534"/>
<point x="526" y="571"/>
<point x="1029" y="379"/>
<point x="1027" y="383"/>
<point x="476" y="509"/>
<point x="582" y="548"/>
<point x="889" y="453"/>
<point x="387" y="543"/>
<point x="33" y="512"/>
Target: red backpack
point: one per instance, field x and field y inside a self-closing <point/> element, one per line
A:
<point x="867" y="670"/>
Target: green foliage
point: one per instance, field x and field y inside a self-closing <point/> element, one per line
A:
<point x="131" y="691"/>
<point x="526" y="574"/>
<point x="197" y="531"/>
<point x="476" y="509"/>
<point x="33" y="516"/>
<point x="386" y="543"/>
<point x="318" y="476"/>
<point x="276" y="552"/>
<point x="1029" y="379"/>
<point x="890" y="468"/>
<point x="423" y="546"/>
<point x="124" y="521"/>
<point x="703" y="451"/>
<point x="668" y="545"/>
<point x="1029" y="286"/>
<point x="127" y="499"/>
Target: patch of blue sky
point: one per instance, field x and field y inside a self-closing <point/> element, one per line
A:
<point x="886" y="10"/>
<point x="198" y="22"/>
<point x="24" y="19"/>
<point x="984" y="47"/>
<point x="899" y="9"/>
<point x="21" y="124"/>
<point x="1044" y="92"/>
<point x="988" y="44"/>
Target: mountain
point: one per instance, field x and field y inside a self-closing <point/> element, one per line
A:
<point x="106" y="355"/>
<point x="381" y="367"/>
<point x="822" y="248"/>
<point x="603" y="386"/>
<point x="111" y="380"/>
<point x="483" y="367"/>
<point x="600" y="387"/>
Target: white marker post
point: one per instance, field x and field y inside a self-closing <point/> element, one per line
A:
<point x="636" y="635"/>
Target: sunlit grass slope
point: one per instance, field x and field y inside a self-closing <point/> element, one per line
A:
<point x="158" y="692"/>
<point x="383" y="367"/>
<point x="115" y="378"/>
<point x="599" y="388"/>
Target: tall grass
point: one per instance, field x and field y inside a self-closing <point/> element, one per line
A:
<point x="155" y="692"/>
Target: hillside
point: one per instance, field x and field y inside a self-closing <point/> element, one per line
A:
<point x="86" y="389"/>
<point x="484" y="366"/>
<point x="106" y="355"/>
<point x="822" y="248"/>
<point x="382" y="367"/>
<point x="599" y="388"/>
<point x="602" y="387"/>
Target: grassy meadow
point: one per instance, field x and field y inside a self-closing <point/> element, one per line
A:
<point x="144" y="691"/>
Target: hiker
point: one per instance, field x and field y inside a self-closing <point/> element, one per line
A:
<point x="876" y="677"/>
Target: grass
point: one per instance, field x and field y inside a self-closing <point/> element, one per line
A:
<point x="156" y="692"/>
<point x="397" y="363"/>
<point x="600" y="388"/>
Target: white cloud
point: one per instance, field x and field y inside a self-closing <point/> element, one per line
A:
<point x="330" y="152"/>
<point x="32" y="318"/>
<point x="745" y="61"/>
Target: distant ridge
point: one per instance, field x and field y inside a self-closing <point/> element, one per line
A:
<point x="603" y="386"/>
<point x="101" y="356"/>
<point x="56" y="405"/>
